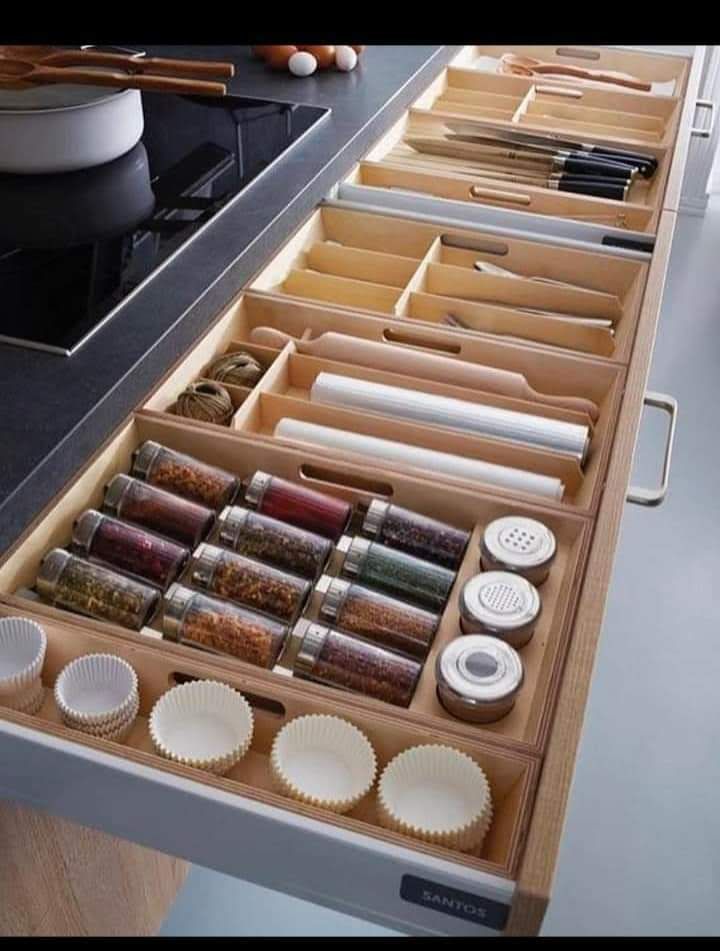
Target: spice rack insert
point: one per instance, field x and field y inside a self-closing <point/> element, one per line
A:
<point x="332" y="259"/>
<point x="512" y="775"/>
<point x="283" y="390"/>
<point x="470" y="510"/>
<point x="617" y="114"/>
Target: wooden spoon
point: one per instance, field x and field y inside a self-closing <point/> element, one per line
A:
<point x="430" y="366"/>
<point x="529" y="66"/>
<point x="158" y="65"/>
<point x="19" y="74"/>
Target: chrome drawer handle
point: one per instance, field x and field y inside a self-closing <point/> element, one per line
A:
<point x="653" y="497"/>
<point x="707" y="132"/>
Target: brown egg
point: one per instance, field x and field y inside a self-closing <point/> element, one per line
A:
<point x="278" y="56"/>
<point x="358" y="49"/>
<point x="325" y="55"/>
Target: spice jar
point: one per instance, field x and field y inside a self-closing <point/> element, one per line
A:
<point x="249" y="582"/>
<point x="501" y="604"/>
<point x="221" y="626"/>
<point x="395" y="572"/>
<point x="521" y="545"/>
<point x="298" y="505"/>
<point x="184" y="476"/>
<point x="128" y="547"/>
<point x="478" y="678"/>
<point x="331" y="657"/>
<point x="67" y="581"/>
<point x="377" y="617"/>
<point x="415" y="534"/>
<point x="157" y="510"/>
<point x="276" y="543"/>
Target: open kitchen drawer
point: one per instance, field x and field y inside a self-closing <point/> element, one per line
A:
<point x="238" y="824"/>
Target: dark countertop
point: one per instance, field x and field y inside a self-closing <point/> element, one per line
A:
<point x="58" y="410"/>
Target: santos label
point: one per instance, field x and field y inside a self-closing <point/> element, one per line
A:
<point x="452" y="901"/>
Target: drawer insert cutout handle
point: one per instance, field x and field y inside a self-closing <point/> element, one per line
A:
<point x="326" y="477"/>
<point x="707" y="132"/>
<point x="257" y="702"/>
<point x="653" y="497"/>
<point x="478" y="191"/>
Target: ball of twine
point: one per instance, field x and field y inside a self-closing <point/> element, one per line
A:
<point x="205" y="401"/>
<point x="239" y="369"/>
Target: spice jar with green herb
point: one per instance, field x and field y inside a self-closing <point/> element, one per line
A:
<point x="408" y="531"/>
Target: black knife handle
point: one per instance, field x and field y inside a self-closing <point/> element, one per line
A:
<point x="647" y="164"/>
<point x="593" y="186"/>
<point x="596" y="168"/>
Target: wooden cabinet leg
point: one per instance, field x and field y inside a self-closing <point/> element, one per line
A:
<point x="59" y="878"/>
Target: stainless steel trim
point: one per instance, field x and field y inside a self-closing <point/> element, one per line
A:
<point x="652" y="497"/>
<point x="707" y="132"/>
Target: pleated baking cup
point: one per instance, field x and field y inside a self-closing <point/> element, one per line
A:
<point x="437" y="794"/>
<point x="23" y="644"/>
<point x="96" y="689"/>
<point x="117" y="732"/>
<point x="101" y="729"/>
<point x="324" y="761"/>
<point x="203" y="723"/>
<point x="29" y="700"/>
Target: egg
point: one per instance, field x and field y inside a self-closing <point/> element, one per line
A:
<point x="279" y="56"/>
<point x="345" y="58"/>
<point x="325" y="55"/>
<point x="358" y="49"/>
<point x="302" y="64"/>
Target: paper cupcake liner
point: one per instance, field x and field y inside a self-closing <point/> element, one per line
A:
<point x="23" y="644"/>
<point x="324" y="761"/>
<point x="437" y="794"/>
<point x="100" y="729"/>
<point x="117" y="733"/>
<point x="204" y="723"/>
<point x="96" y="689"/>
<point x="29" y="700"/>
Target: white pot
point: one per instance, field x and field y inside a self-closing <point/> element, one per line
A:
<point x="65" y="138"/>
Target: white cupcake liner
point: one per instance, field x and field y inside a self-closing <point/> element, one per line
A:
<point x="100" y="729"/>
<point x="203" y="723"/>
<point x="23" y="644"/>
<point x="324" y="761"/>
<point x="96" y="689"/>
<point x="118" y="732"/>
<point x="29" y="700"/>
<point x="437" y="794"/>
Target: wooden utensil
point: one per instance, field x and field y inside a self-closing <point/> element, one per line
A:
<point x="157" y="65"/>
<point x="430" y="366"/>
<point x="19" y="74"/>
<point x="529" y="66"/>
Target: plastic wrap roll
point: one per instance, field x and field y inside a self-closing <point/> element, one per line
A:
<point x="554" y="434"/>
<point x="403" y="454"/>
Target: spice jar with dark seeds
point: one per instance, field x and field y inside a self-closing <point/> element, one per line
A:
<point x="314" y="511"/>
<point x="129" y="548"/>
<point x="221" y="626"/>
<point x="330" y="657"/>
<point x="416" y="534"/>
<point x="395" y="572"/>
<point x="67" y="581"/>
<point x="377" y="617"/>
<point x="273" y="542"/>
<point x="157" y="510"/>
<point x="184" y="475"/>
<point x="249" y="582"/>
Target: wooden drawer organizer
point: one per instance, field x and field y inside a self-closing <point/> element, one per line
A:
<point x="388" y="265"/>
<point x="383" y="277"/>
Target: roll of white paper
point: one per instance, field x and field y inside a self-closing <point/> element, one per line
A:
<point x="402" y="454"/>
<point x="554" y="434"/>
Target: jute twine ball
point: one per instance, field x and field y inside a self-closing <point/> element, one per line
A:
<point x="239" y="369"/>
<point x="205" y="401"/>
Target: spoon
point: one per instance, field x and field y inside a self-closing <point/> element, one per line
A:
<point x="529" y="66"/>
<point x="19" y="74"/>
<point x="430" y="366"/>
<point x="158" y="65"/>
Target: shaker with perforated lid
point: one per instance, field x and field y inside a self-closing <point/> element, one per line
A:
<point x="518" y="544"/>
<point x="478" y="678"/>
<point x="500" y="604"/>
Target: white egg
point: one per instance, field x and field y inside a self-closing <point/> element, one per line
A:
<point x="345" y="58"/>
<point x="302" y="64"/>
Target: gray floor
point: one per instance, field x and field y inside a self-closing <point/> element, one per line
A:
<point x="641" y="850"/>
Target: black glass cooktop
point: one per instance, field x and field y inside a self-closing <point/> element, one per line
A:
<point x="74" y="246"/>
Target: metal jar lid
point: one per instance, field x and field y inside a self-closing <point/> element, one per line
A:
<point x="335" y="591"/>
<point x="114" y="493"/>
<point x="177" y="601"/>
<point x="83" y="531"/>
<point x="501" y="604"/>
<point x="522" y="545"/>
<point x="203" y="564"/>
<point x="231" y="522"/>
<point x="355" y="550"/>
<point x="374" y="518"/>
<point x="256" y="488"/>
<point x="143" y="459"/>
<point x="308" y="637"/>
<point x="478" y="678"/>
<point x="51" y="568"/>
